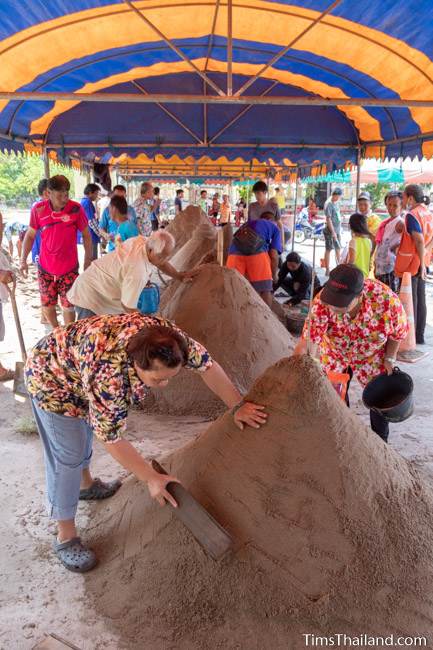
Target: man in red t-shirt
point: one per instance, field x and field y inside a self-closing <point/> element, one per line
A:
<point x="58" y="220"/>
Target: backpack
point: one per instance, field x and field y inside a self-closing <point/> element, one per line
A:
<point x="247" y="241"/>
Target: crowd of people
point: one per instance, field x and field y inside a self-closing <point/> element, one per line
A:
<point x="83" y="378"/>
<point x="385" y="249"/>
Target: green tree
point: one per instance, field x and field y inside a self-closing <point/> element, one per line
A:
<point x="310" y="190"/>
<point x="245" y="193"/>
<point x="20" y="175"/>
<point x="377" y="193"/>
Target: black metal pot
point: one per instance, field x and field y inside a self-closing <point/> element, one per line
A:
<point x="390" y="395"/>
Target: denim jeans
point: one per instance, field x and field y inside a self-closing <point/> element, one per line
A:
<point x="67" y="446"/>
<point x="82" y="312"/>
<point x="94" y="250"/>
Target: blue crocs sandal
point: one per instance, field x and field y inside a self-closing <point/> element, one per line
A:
<point x="75" y="556"/>
<point x="100" y="490"/>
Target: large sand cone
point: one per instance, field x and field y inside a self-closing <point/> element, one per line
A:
<point x="222" y="311"/>
<point x="201" y="244"/>
<point x="333" y="530"/>
<point x="185" y="223"/>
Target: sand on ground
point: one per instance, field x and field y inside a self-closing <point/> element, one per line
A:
<point x="36" y="595"/>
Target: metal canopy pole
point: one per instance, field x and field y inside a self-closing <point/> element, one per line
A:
<point x="174" y="47"/>
<point x="294" y="209"/>
<point x="169" y="113"/>
<point x="241" y="114"/>
<point x="284" y="51"/>
<point x="229" y="48"/>
<point x="209" y="51"/>
<point x="166" y="98"/>
<point x="170" y="145"/>
<point x="358" y="176"/>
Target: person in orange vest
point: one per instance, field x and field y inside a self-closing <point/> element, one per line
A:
<point x="415" y="250"/>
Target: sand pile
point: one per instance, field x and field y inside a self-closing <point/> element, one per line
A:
<point x="184" y="224"/>
<point x="333" y="530"/>
<point x="222" y="311"/>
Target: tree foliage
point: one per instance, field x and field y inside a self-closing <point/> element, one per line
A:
<point x="20" y="175"/>
<point x="377" y="193"/>
<point x="245" y="193"/>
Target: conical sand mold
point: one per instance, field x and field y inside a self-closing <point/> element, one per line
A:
<point x="222" y="311"/>
<point x="185" y="223"/>
<point x="202" y="242"/>
<point x="333" y="533"/>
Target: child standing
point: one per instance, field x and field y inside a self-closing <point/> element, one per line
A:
<point x="118" y="210"/>
<point x="360" y="246"/>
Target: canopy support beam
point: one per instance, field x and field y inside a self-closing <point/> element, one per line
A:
<point x="205" y="134"/>
<point x="229" y="48"/>
<point x="295" y="207"/>
<point x="209" y="52"/>
<point x="408" y="138"/>
<point x="358" y="176"/>
<point x="284" y="51"/>
<point x="174" y="47"/>
<point x="169" y="113"/>
<point x="212" y="34"/>
<point x="176" y="145"/>
<point x="274" y="100"/>
<point x="241" y="114"/>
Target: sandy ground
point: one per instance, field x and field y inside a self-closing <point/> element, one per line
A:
<point x="37" y="596"/>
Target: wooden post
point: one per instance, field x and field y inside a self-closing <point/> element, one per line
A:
<point x="358" y="176"/>
<point x="220" y="246"/>
<point x="46" y="163"/>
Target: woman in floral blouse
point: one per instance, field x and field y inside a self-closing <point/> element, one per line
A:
<point x="356" y="327"/>
<point x="82" y="380"/>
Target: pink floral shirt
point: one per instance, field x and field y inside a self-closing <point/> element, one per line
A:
<point x="84" y="370"/>
<point x="358" y="342"/>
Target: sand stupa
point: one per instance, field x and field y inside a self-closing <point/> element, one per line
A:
<point x="185" y="223"/>
<point x="333" y="533"/>
<point x="221" y="310"/>
<point x="200" y="241"/>
<point x="199" y="247"/>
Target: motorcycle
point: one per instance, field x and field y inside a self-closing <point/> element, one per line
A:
<point x="306" y="230"/>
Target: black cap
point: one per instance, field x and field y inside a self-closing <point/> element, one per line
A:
<point x="345" y="282"/>
<point x="337" y="190"/>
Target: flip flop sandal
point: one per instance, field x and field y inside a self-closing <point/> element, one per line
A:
<point x="8" y="375"/>
<point x="75" y="556"/>
<point x="100" y="490"/>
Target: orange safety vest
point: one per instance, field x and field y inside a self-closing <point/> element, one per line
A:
<point x="407" y="256"/>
